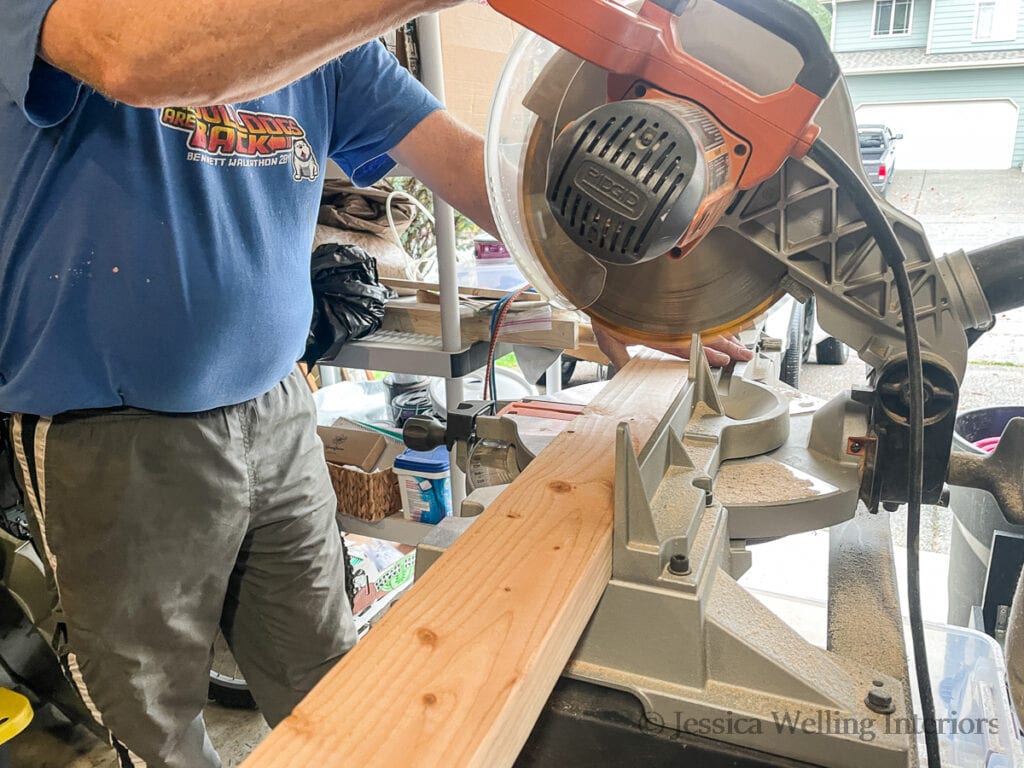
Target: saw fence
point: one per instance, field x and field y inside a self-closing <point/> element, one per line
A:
<point x="458" y="671"/>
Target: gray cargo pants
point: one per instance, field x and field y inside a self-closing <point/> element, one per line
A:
<point x="159" y="528"/>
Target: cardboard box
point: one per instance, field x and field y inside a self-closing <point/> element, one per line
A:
<point x="357" y="448"/>
<point x="475" y="41"/>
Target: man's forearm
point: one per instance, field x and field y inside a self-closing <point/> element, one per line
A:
<point x="449" y="158"/>
<point x="194" y="52"/>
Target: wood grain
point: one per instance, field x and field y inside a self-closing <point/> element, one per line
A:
<point x="412" y="316"/>
<point x="587" y="348"/>
<point x="458" y="671"/>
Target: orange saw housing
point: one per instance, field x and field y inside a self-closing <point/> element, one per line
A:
<point x="644" y="46"/>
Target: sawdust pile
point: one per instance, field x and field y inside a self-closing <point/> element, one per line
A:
<point x="702" y="410"/>
<point x="700" y="453"/>
<point x="760" y="482"/>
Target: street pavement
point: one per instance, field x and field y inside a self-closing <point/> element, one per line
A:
<point x="970" y="209"/>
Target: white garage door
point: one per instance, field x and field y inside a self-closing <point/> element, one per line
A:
<point x="950" y="134"/>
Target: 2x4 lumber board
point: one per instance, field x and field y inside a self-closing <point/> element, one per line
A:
<point x="410" y="287"/>
<point x="588" y="349"/>
<point x="459" y="669"/>
<point x="409" y="315"/>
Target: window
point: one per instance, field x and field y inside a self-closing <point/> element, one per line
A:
<point x="892" y="17"/>
<point x="983" y="20"/>
<point x="995" y="20"/>
<point x="870" y="138"/>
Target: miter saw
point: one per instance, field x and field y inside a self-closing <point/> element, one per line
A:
<point x="672" y="168"/>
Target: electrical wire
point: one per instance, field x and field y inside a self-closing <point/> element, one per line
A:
<point x="852" y="184"/>
<point x="498" y="314"/>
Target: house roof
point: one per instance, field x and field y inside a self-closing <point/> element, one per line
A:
<point x="911" y="59"/>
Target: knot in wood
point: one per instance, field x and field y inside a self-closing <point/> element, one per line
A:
<point x="426" y="636"/>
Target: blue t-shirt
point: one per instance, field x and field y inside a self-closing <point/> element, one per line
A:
<point x="160" y="258"/>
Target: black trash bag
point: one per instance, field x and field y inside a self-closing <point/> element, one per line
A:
<point x="348" y="299"/>
<point x="10" y="495"/>
<point x="12" y="512"/>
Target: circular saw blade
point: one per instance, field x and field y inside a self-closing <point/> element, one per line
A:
<point x="717" y="286"/>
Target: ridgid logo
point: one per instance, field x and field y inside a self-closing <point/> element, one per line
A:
<point x="228" y="137"/>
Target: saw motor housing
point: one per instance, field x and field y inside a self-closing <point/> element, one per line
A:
<point x="637" y="179"/>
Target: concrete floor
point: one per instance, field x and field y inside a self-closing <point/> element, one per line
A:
<point x="958" y="210"/>
<point x="50" y="743"/>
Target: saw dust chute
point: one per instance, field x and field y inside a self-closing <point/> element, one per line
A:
<point x="607" y="193"/>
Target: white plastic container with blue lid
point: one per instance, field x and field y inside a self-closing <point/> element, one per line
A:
<point x="424" y="479"/>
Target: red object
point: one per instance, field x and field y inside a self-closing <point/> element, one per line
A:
<point x="542" y="409"/>
<point x="881" y="171"/>
<point x="987" y="444"/>
<point x="490" y="249"/>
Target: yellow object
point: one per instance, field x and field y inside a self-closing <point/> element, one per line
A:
<point x="15" y="714"/>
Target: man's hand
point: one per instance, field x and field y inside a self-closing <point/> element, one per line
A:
<point x="721" y="350"/>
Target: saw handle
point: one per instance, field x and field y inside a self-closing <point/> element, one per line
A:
<point x="644" y="45"/>
<point x="424" y="433"/>
<point x="789" y="22"/>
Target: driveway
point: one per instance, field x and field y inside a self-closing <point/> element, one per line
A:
<point x="962" y="209"/>
<point x="968" y="209"/>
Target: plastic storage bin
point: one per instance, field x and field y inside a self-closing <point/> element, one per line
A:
<point x="424" y="479"/>
<point x="977" y="727"/>
<point x="977" y="518"/>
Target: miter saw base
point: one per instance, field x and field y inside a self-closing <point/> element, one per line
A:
<point x="675" y="629"/>
<point x="736" y="459"/>
<point x="596" y="726"/>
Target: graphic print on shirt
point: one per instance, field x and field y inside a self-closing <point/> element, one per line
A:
<point x="224" y="136"/>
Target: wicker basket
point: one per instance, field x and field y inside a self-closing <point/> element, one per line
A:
<point x="366" y="495"/>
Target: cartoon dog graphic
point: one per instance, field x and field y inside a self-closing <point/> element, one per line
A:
<point x="304" y="164"/>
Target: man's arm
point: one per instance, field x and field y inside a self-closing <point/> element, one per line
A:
<point x="449" y="158"/>
<point x="194" y="52"/>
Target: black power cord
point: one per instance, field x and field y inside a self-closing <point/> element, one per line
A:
<point x="852" y="184"/>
